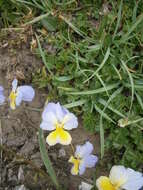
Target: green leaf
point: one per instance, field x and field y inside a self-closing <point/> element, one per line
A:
<point x="103" y="114"/>
<point x="75" y="104"/>
<point x="131" y="81"/>
<point x="63" y="78"/>
<point x="50" y="23"/>
<point x="97" y="91"/>
<point x="125" y="37"/>
<point x="118" y="19"/>
<point x="46" y="159"/>
<point x="43" y="55"/>
<point x="101" y="65"/>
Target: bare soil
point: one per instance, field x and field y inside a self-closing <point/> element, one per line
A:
<point x="21" y="166"/>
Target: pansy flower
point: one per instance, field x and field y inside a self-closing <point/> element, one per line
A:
<point x="58" y="119"/>
<point x="83" y="159"/>
<point x="2" y="97"/>
<point x="20" y="93"/>
<point x="120" y="178"/>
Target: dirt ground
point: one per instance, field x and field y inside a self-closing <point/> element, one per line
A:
<point x="21" y="167"/>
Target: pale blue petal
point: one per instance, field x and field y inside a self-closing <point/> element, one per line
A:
<point x="82" y="168"/>
<point x="60" y="112"/>
<point x="2" y="97"/>
<point x="84" y="150"/>
<point x="14" y="84"/>
<point x="90" y="161"/>
<point x="28" y="93"/>
<point x="70" y="121"/>
<point x="49" y="119"/>
<point x="1" y="89"/>
<point x="50" y="107"/>
<point x="48" y="115"/>
<point x="47" y="126"/>
<point x="135" y="180"/>
<point x="18" y="99"/>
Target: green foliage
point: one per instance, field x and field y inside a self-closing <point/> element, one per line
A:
<point x="10" y="13"/>
<point x="94" y="56"/>
<point x="95" y="49"/>
<point x="46" y="159"/>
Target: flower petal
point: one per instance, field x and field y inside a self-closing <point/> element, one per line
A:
<point x="82" y="168"/>
<point x="60" y="112"/>
<point x="52" y="138"/>
<point x="135" y="180"/>
<point x="18" y="99"/>
<point x="2" y="97"/>
<point x="12" y="98"/>
<point x="103" y="183"/>
<point x="64" y="137"/>
<point x="59" y="136"/>
<point x="14" y="84"/>
<point x="75" y="167"/>
<point x="47" y="126"/>
<point x="49" y="117"/>
<point x="70" y="121"/>
<point x="118" y="175"/>
<point x="84" y="150"/>
<point x="28" y="93"/>
<point x="90" y="161"/>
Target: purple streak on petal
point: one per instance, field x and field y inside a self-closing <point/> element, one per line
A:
<point x="14" y="84"/>
<point x="84" y="150"/>
<point x="28" y="93"/>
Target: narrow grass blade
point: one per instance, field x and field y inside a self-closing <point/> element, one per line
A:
<point x="75" y="104"/>
<point x="46" y="159"/>
<point x="116" y="70"/>
<point x="43" y="55"/>
<point x="101" y="137"/>
<point x="94" y="48"/>
<point x="118" y="19"/>
<point x="131" y="81"/>
<point x="132" y="28"/>
<point x="37" y="19"/>
<point x="72" y="26"/>
<point x="103" y="114"/>
<point x="102" y="82"/>
<point x="135" y="11"/>
<point x="97" y="91"/>
<point x="63" y="78"/>
<point x="135" y="121"/>
<point x="104" y="103"/>
<point x="101" y="65"/>
<point x="139" y="99"/>
<point x="118" y="91"/>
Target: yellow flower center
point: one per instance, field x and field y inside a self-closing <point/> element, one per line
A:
<point x="76" y="162"/>
<point x="59" y="135"/>
<point x="12" y="98"/>
<point x="104" y="183"/>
